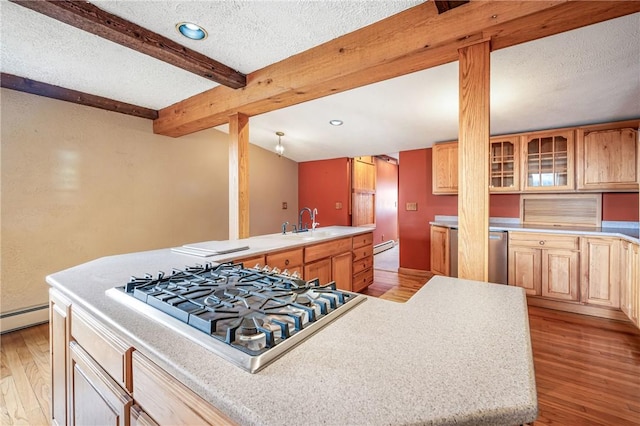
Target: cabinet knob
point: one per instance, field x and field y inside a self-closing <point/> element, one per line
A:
<point x="541" y="243"/>
<point x="286" y="262"/>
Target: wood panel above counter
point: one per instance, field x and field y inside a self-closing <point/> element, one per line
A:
<point x="594" y="158"/>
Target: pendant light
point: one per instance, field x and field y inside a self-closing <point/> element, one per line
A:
<point x="280" y="147"/>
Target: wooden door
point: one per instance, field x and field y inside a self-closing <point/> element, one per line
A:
<point x="444" y="163"/>
<point x="525" y="267"/>
<point x="601" y="271"/>
<point x="363" y="190"/>
<point x="560" y="274"/>
<point x="320" y="269"/>
<point x="341" y="271"/>
<point x="440" y="262"/>
<point x="59" y="335"/>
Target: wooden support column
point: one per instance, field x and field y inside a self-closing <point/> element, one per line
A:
<point x="238" y="176"/>
<point x="473" y="155"/>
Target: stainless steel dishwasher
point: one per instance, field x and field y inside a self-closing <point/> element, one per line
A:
<point x="498" y="249"/>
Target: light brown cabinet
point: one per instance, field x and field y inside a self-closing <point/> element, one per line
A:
<point x="362" y="262"/>
<point x="601" y="271"/>
<point x="626" y="277"/>
<point x="445" y="168"/>
<point x="97" y="378"/>
<point x="545" y="265"/>
<point x="440" y="262"/>
<point x="96" y="399"/>
<point x="341" y="272"/>
<point x="167" y="401"/>
<point x="607" y="159"/>
<point x="504" y="163"/>
<point x="548" y="161"/>
<point x="635" y="283"/>
<point x="59" y="336"/>
<point x="291" y="260"/>
<point x="320" y="262"/>
<point x="320" y="269"/>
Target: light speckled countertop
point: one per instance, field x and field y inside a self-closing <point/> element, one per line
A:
<point x="458" y="352"/>
<point x="610" y="229"/>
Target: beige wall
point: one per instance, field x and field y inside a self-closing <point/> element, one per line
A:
<point x="80" y="183"/>
<point x="272" y="181"/>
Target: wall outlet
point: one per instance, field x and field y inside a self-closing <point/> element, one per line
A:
<point x="338" y="205"/>
<point x="284" y="205"/>
<point x="412" y="207"/>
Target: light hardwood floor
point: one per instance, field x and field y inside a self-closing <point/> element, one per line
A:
<point x="587" y="368"/>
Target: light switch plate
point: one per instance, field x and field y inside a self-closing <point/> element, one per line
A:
<point x="338" y="205"/>
<point x="284" y="205"/>
<point x="412" y="206"/>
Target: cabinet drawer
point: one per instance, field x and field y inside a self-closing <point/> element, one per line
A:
<point x="363" y="240"/>
<point x="140" y="418"/>
<point x="250" y="262"/>
<point x="285" y="259"/>
<point x="362" y="280"/>
<point x="108" y="350"/>
<point x="361" y="265"/>
<point x="328" y="249"/>
<point x="523" y="239"/>
<point x="362" y="252"/>
<point x="96" y="399"/>
<point x="167" y="401"/>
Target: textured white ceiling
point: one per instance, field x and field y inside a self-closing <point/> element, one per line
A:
<point x="587" y="75"/>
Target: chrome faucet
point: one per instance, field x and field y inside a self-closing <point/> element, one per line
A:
<point x="314" y="224"/>
<point x="300" y="227"/>
<point x="284" y="227"/>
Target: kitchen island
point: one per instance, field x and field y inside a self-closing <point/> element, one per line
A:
<point x="457" y="352"/>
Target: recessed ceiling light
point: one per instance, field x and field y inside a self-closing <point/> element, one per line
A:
<point x="192" y="31"/>
<point x="336" y="122"/>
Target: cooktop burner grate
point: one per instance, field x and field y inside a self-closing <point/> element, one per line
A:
<point x="256" y="312"/>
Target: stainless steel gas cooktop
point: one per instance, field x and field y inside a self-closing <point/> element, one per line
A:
<point x="249" y="316"/>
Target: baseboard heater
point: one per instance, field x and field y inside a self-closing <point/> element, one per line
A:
<point x="24" y="318"/>
<point x="378" y="248"/>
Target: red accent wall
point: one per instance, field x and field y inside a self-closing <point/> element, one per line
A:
<point x="322" y="184"/>
<point x="414" y="183"/>
<point x="504" y="205"/>
<point x="621" y="206"/>
<point x="386" y="202"/>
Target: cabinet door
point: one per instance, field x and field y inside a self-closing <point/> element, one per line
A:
<point x="524" y="269"/>
<point x="59" y="335"/>
<point x="440" y="250"/>
<point x="600" y="271"/>
<point x="341" y="271"/>
<point x="635" y="287"/>
<point x="626" y="277"/>
<point x="96" y="398"/>
<point x="169" y="402"/>
<point x="504" y="163"/>
<point x="548" y="161"/>
<point x="444" y="163"/>
<point x="560" y="274"/>
<point x="320" y="269"/>
<point x="607" y="160"/>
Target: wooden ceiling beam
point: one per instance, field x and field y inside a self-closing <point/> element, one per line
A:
<point x="413" y="40"/>
<point x="444" y="5"/>
<point x="88" y="17"/>
<point x="14" y="82"/>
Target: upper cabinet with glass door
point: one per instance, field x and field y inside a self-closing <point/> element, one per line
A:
<point x="504" y="163"/>
<point x="548" y="161"/>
